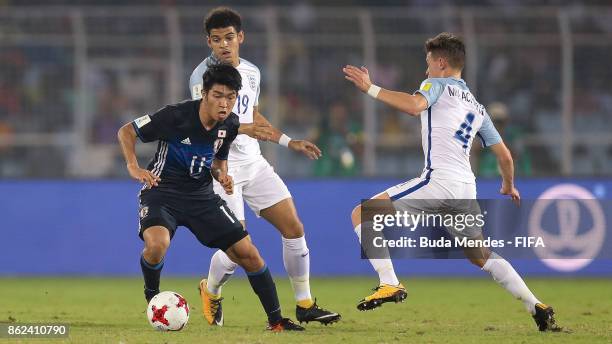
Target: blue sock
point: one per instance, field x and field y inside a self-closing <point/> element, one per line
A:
<point x="151" y="274"/>
<point x="263" y="285"/>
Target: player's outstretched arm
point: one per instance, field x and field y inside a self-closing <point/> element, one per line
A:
<point x="127" y="140"/>
<point x="257" y="130"/>
<point x="405" y="102"/>
<point x="305" y="147"/>
<point x="506" y="167"/>
<point x="218" y="169"/>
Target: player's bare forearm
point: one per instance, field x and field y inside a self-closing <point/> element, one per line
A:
<point x="505" y="161"/>
<point x="506" y="168"/>
<point x="302" y="146"/>
<point x="405" y="102"/>
<point x="408" y="103"/>
<point x="258" y="118"/>
<point x="218" y="168"/>
<point x="127" y="141"/>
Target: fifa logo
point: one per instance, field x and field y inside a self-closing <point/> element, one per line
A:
<point x="572" y="223"/>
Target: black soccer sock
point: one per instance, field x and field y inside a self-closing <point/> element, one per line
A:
<point x="151" y="273"/>
<point x="263" y="285"/>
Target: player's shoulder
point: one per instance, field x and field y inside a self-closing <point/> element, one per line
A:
<point x="200" y="69"/>
<point x="182" y="108"/>
<point x="442" y="83"/>
<point x="248" y="66"/>
<point x="232" y="121"/>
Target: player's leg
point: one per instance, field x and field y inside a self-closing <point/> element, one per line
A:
<point x="247" y="256"/>
<point x="157" y="226"/>
<point x="268" y="196"/>
<point x="296" y="259"/>
<point x="504" y="274"/>
<point x="500" y="269"/>
<point x="216" y="226"/>
<point x="222" y="268"/>
<point x="156" y="243"/>
<point x="389" y="288"/>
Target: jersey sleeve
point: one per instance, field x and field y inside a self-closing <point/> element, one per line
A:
<point x="256" y="103"/>
<point x="431" y="89"/>
<point x="157" y="126"/>
<point x="195" y="81"/>
<point x="487" y="134"/>
<point x="233" y="126"/>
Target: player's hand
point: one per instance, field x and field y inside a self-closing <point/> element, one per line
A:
<point x="143" y="176"/>
<point x="227" y="182"/>
<point x="511" y="191"/>
<point x="360" y="77"/>
<point x="307" y="148"/>
<point x="260" y="131"/>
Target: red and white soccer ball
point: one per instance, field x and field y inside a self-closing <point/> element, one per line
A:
<point x="168" y="311"/>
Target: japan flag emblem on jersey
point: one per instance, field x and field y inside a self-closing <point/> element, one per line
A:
<point x="221" y="133"/>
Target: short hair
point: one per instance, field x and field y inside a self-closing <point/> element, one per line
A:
<point x="448" y="46"/>
<point x="223" y="74"/>
<point x="221" y="17"/>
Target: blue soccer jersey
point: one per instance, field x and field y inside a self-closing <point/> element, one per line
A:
<point x="185" y="149"/>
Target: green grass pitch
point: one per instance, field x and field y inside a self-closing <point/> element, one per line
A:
<point x="111" y="310"/>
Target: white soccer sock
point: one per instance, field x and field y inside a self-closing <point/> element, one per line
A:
<point x="297" y="263"/>
<point x="384" y="267"/>
<point x="504" y="274"/>
<point x="221" y="269"/>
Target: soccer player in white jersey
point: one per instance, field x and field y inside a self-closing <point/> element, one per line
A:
<point x="254" y="179"/>
<point x="450" y="115"/>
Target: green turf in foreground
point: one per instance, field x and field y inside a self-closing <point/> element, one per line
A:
<point x="104" y="310"/>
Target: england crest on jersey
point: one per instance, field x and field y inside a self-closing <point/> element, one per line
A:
<point x="252" y="82"/>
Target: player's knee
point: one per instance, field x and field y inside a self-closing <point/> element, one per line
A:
<point x="293" y="230"/>
<point x="155" y="249"/>
<point x="250" y="259"/>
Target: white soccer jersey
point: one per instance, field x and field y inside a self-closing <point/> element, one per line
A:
<point x="448" y="128"/>
<point x="244" y="149"/>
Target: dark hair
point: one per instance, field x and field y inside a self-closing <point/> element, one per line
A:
<point x="221" y="17"/>
<point x="223" y="74"/>
<point x="448" y="46"/>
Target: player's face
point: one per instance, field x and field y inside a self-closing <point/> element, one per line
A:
<point x="435" y="66"/>
<point x="225" y="44"/>
<point x="220" y="102"/>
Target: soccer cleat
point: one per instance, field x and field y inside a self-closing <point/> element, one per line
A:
<point x="383" y="293"/>
<point x="211" y="306"/>
<point x="316" y="313"/>
<point x="544" y="318"/>
<point x="285" y="324"/>
<point x="149" y="294"/>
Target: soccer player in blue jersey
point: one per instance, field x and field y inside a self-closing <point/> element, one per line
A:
<point x="193" y="141"/>
<point x="450" y="120"/>
<point x="256" y="182"/>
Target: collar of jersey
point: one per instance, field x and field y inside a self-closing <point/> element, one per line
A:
<point x="213" y="60"/>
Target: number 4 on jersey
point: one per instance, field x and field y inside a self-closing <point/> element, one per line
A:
<point x="463" y="134"/>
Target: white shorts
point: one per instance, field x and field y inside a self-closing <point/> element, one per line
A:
<point x="437" y="197"/>
<point x="257" y="184"/>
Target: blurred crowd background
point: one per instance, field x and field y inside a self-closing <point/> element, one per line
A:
<point x="72" y="72"/>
